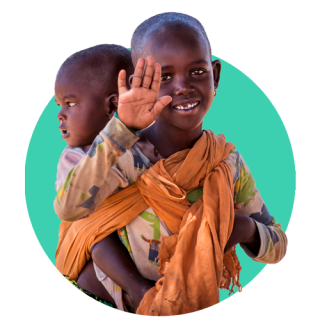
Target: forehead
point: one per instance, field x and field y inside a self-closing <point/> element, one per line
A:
<point x="71" y="76"/>
<point x="75" y="79"/>
<point x="177" y="47"/>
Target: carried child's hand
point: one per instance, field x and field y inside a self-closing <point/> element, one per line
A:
<point x="139" y="107"/>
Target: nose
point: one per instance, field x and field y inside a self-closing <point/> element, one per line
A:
<point x="183" y="87"/>
<point x="62" y="114"/>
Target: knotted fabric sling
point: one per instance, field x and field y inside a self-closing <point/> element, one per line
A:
<point x="192" y="259"/>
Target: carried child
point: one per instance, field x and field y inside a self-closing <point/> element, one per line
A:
<point x="180" y="181"/>
<point x="86" y="90"/>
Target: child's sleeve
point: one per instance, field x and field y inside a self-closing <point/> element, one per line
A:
<point x="69" y="159"/>
<point x="273" y="239"/>
<point x="94" y="175"/>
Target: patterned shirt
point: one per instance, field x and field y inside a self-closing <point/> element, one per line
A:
<point x="114" y="161"/>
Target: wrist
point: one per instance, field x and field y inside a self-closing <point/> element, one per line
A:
<point x="131" y="130"/>
<point x="119" y="134"/>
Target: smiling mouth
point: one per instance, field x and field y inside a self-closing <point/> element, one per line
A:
<point x="187" y="106"/>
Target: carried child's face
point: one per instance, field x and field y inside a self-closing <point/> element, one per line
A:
<point x="83" y="112"/>
<point x="187" y="76"/>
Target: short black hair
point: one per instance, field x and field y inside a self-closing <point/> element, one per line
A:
<point x="158" y="22"/>
<point x="100" y="64"/>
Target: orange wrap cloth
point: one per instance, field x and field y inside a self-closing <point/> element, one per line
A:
<point x="192" y="259"/>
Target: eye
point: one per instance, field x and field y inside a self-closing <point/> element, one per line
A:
<point x="166" y="77"/>
<point x="70" y="104"/>
<point x="198" y="71"/>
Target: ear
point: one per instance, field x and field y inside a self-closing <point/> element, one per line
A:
<point x="216" y="68"/>
<point x="111" y="104"/>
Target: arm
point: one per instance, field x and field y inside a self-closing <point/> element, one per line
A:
<point x="94" y="175"/>
<point x="259" y="235"/>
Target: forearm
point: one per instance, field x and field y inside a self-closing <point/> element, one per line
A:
<point x="272" y="240"/>
<point x="273" y="244"/>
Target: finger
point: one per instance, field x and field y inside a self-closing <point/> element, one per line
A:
<point x="138" y="72"/>
<point x="148" y="74"/>
<point x="122" y="84"/>
<point x="237" y="206"/>
<point x="159" y="105"/>
<point x="155" y="86"/>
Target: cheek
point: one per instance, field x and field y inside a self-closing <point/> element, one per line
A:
<point x="208" y="82"/>
<point x="165" y="90"/>
<point x="208" y="90"/>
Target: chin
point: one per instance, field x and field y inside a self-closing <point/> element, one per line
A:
<point x="188" y="127"/>
<point x="72" y="144"/>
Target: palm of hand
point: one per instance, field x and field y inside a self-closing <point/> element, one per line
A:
<point x="135" y="107"/>
<point x="139" y="107"/>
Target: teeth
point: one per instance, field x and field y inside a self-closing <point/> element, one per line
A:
<point x="187" y="106"/>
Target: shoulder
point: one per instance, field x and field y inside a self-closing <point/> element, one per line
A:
<point x="235" y="162"/>
<point x="71" y="155"/>
<point x="239" y="168"/>
<point x="69" y="158"/>
<point x="233" y="158"/>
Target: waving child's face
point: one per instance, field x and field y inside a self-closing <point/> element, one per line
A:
<point x="188" y="76"/>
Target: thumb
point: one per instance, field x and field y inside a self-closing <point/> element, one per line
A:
<point x="160" y="104"/>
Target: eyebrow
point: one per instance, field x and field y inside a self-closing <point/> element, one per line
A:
<point x="192" y="63"/>
<point x="199" y="61"/>
<point x="65" y="96"/>
<point x="68" y="95"/>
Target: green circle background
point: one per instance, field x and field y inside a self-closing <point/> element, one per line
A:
<point x="240" y="110"/>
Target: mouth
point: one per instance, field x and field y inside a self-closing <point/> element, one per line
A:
<point x="64" y="133"/>
<point x="187" y="108"/>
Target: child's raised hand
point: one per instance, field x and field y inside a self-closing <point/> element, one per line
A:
<point x="139" y="107"/>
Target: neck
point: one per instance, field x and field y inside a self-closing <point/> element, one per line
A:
<point x="167" y="139"/>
